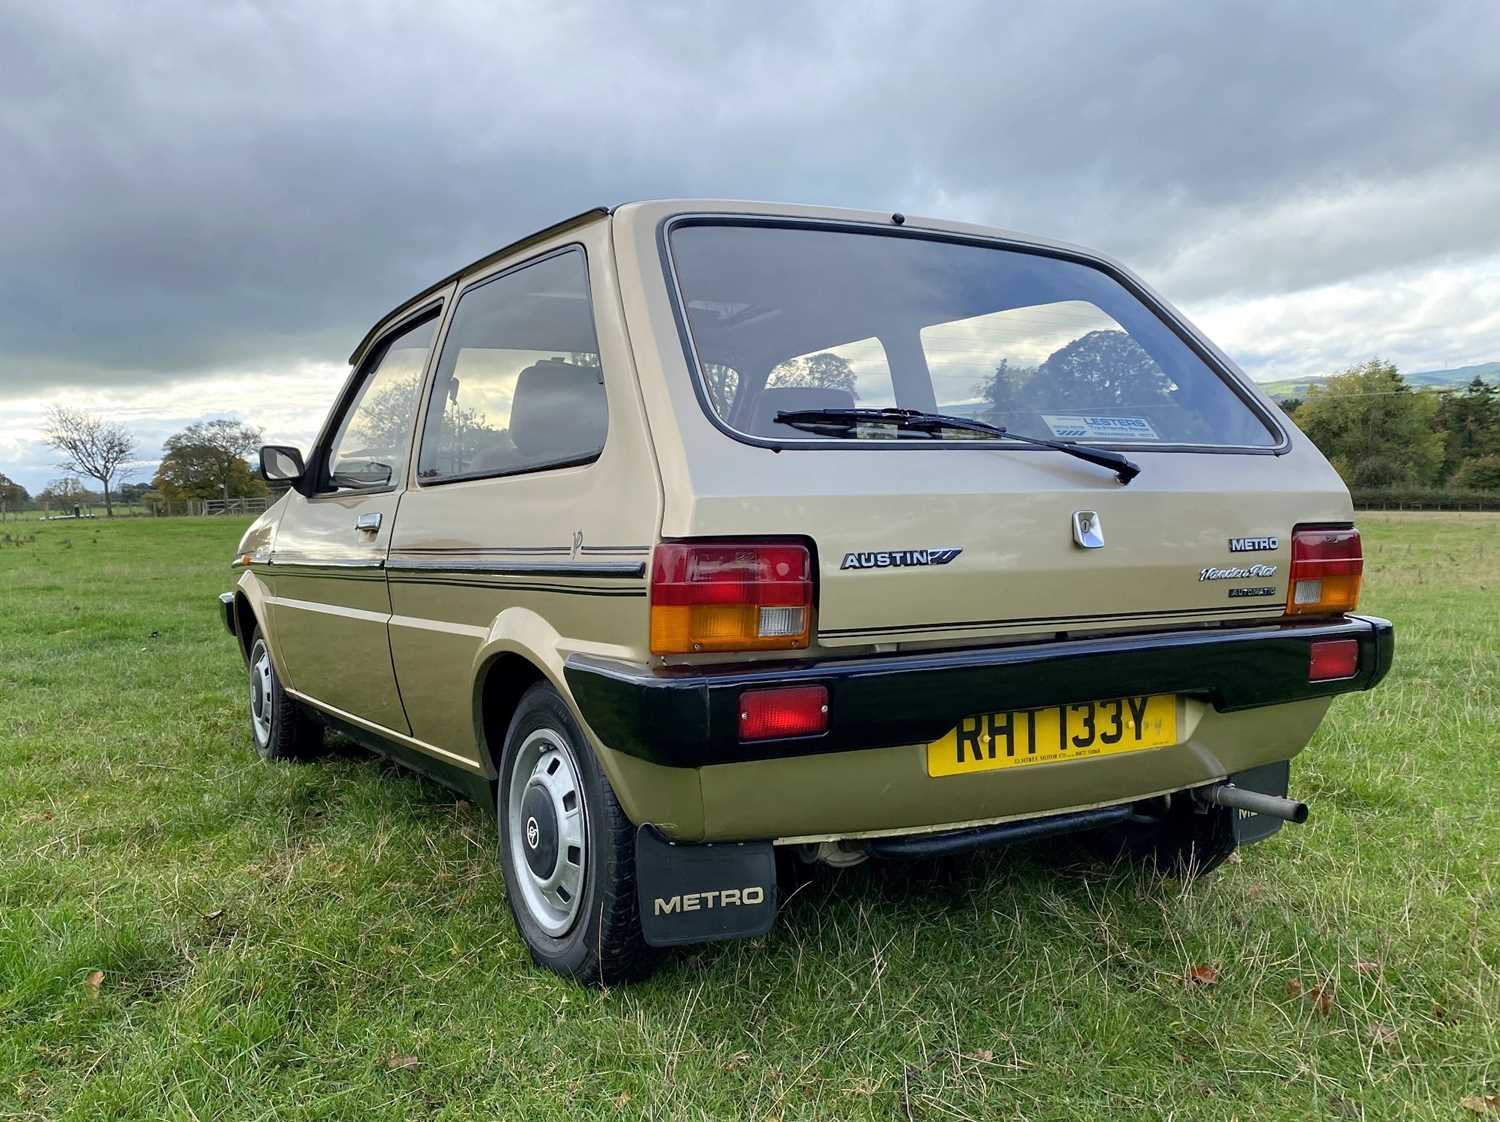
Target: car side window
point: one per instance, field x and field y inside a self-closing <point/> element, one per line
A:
<point x="519" y="386"/>
<point x="369" y="450"/>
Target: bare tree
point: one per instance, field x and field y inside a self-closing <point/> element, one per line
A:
<point x="90" y="446"/>
<point x="224" y="444"/>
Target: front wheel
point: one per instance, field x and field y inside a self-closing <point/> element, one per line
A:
<point x="567" y="849"/>
<point x="280" y="727"/>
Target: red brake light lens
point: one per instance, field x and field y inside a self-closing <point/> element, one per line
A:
<point x="1327" y="565"/>
<point x="730" y="596"/>
<point x="785" y="711"/>
<point x="1332" y="659"/>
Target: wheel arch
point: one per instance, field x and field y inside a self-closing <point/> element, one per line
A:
<point x="522" y="648"/>
<point x="503" y="680"/>
<point x="251" y="610"/>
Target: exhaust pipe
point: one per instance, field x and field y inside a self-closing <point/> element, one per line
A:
<point x="1240" y="798"/>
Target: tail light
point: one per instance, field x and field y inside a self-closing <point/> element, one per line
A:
<point x="1326" y="570"/>
<point x="730" y="596"/>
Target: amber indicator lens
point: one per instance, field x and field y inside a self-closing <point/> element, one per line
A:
<point x="1327" y="565"/>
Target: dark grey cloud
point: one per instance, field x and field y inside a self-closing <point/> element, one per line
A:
<point x="194" y="186"/>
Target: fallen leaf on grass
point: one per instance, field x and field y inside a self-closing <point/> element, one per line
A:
<point x="984" y="1055"/>
<point x="1367" y="968"/>
<point x="735" y="1061"/>
<point x="1294" y="987"/>
<point x="1234" y="858"/>
<point x="396" y="1062"/>
<point x="1202" y="975"/>
<point x="1322" y="1000"/>
<point x="621" y="1099"/>
<point x="94" y="980"/>
<point x="1481" y="1104"/>
<point x="1256" y="891"/>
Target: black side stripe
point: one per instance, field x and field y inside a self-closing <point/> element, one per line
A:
<point x="629" y="570"/>
<point x="504" y="586"/>
<point x="1263" y="609"/>
<point x="504" y="550"/>
<point x="482" y="551"/>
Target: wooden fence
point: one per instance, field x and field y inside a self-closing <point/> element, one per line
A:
<point x="151" y="508"/>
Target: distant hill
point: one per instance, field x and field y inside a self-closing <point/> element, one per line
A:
<point x="1456" y="378"/>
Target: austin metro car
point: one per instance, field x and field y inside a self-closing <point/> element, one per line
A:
<point x="699" y="539"/>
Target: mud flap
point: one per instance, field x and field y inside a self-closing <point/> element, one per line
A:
<point x="699" y="893"/>
<point x="1268" y="779"/>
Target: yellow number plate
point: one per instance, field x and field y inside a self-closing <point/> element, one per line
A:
<point x="991" y="741"/>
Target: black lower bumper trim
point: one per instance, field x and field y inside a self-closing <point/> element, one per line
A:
<point x="916" y="846"/>
<point x="689" y="716"/>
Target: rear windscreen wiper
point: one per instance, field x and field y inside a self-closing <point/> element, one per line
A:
<point x="841" y="420"/>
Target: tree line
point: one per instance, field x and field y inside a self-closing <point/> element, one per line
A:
<point x="206" y="460"/>
<point x="1384" y="435"/>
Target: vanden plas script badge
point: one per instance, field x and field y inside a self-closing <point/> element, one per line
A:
<point x="1237" y="573"/>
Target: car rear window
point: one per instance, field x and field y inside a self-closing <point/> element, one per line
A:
<point x="805" y="317"/>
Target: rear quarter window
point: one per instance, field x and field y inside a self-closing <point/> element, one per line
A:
<point x="519" y="386"/>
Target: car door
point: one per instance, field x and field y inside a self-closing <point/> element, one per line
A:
<point x="332" y="608"/>
<point x="535" y="500"/>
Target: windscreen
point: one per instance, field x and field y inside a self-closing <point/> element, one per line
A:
<point x="787" y="318"/>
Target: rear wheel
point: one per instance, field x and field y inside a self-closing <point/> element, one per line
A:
<point x="567" y="849"/>
<point x="1176" y="836"/>
<point x="281" y="728"/>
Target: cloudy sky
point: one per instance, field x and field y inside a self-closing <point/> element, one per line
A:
<point x="204" y="205"/>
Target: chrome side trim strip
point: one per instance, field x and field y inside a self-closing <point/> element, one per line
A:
<point x="280" y="562"/>
<point x="629" y="570"/>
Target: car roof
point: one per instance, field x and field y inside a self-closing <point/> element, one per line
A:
<point x="597" y="213"/>
<point x="581" y="219"/>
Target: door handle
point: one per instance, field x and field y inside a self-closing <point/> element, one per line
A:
<point x="368" y="523"/>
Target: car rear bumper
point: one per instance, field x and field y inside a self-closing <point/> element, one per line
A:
<point x="689" y="716"/>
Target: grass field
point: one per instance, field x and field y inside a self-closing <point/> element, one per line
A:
<point x="186" y="933"/>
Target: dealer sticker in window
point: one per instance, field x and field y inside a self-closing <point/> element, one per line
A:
<point x="1074" y="426"/>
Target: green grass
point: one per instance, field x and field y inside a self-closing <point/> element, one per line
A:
<point x="332" y="940"/>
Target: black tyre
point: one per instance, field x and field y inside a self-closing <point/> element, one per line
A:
<point x="1181" y="838"/>
<point x="567" y="849"/>
<point x="281" y="728"/>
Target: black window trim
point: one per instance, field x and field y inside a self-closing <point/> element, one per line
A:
<point x="1183" y="331"/>
<point x="417" y="479"/>
<point x="317" y="468"/>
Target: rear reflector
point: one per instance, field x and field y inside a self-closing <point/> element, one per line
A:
<point x="730" y="596"/>
<point x="1332" y="659"/>
<point x="787" y="711"/>
<point x="1326" y="570"/>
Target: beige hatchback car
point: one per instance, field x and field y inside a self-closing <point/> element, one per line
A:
<point x="694" y="535"/>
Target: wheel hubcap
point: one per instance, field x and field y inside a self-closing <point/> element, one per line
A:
<point x="260" y="693"/>
<point x="548" y="830"/>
